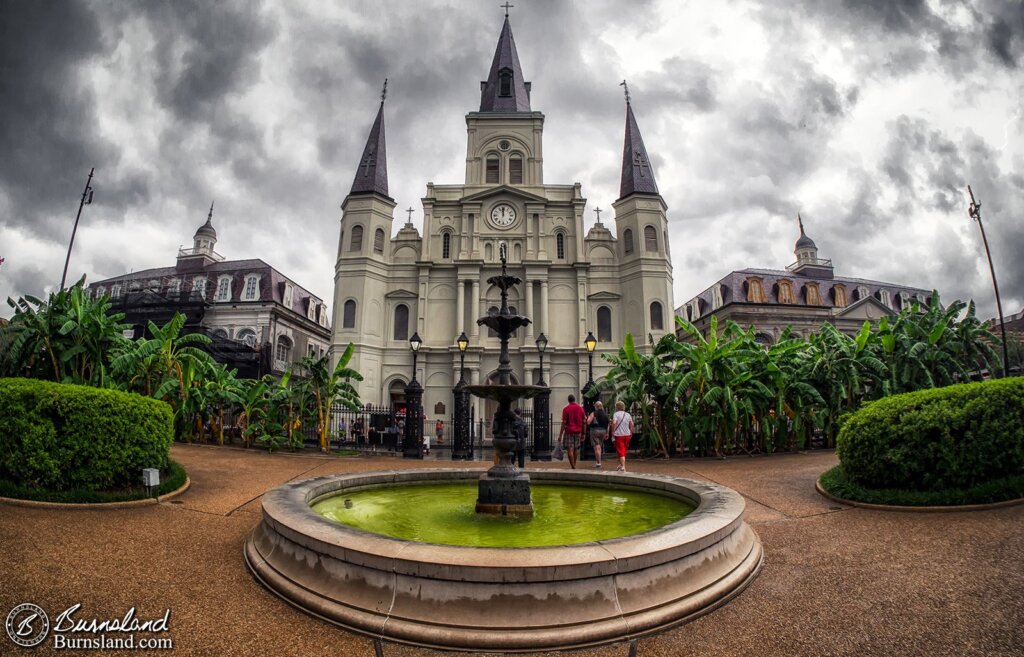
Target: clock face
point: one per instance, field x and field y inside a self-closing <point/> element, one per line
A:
<point x="503" y="215"/>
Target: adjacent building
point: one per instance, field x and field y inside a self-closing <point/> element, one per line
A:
<point x="261" y="321"/>
<point x="802" y="296"/>
<point x="390" y="285"/>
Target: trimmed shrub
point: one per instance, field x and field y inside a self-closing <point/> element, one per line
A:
<point x="58" y="436"/>
<point x="940" y="439"/>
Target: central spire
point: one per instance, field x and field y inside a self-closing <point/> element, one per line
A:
<point x="505" y="90"/>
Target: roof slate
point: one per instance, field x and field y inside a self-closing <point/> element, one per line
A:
<point x="372" y="173"/>
<point x="637" y="173"/>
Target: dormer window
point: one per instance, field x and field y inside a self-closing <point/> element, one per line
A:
<point x="252" y="287"/>
<point x="505" y="82"/>
<point x="287" y="297"/>
<point x="224" y="288"/>
<point x="311" y="310"/>
<point x="199" y="286"/>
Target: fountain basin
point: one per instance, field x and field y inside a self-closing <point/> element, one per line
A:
<point x="504" y="599"/>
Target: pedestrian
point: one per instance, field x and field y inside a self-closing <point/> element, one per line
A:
<point x="622" y="427"/>
<point x="439" y="431"/>
<point x="598" y="423"/>
<point x="573" y="421"/>
<point x="357" y="431"/>
<point x="520" y="429"/>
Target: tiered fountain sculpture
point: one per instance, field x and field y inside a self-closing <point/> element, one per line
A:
<point x="504" y="489"/>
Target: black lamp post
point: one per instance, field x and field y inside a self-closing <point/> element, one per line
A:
<point x="974" y="211"/>
<point x="412" y="444"/>
<point x="460" y="430"/>
<point x="591" y="344"/>
<point x="541" y="411"/>
<point x="86" y="200"/>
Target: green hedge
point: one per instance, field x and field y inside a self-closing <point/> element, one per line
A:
<point x="839" y="484"/>
<point x="171" y="479"/>
<point x="942" y="439"/>
<point x="57" y="436"/>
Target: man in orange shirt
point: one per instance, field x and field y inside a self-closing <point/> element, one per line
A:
<point x="573" y="420"/>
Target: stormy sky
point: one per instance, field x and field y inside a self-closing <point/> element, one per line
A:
<point x="868" y="117"/>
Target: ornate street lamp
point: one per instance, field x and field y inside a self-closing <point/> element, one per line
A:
<point x="412" y="445"/>
<point x="460" y="431"/>
<point x="974" y="212"/>
<point x="541" y="411"/>
<point x="590" y="342"/>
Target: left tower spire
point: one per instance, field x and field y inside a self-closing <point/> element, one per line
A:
<point x="372" y="172"/>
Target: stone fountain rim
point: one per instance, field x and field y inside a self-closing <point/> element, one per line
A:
<point x="719" y="512"/>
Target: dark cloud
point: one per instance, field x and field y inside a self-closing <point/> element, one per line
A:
<point x="48" y="116"/>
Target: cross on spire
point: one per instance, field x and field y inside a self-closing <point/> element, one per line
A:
<point x="507" y="6"/>
<point x="368" y="162"/>
<point x="640" y="162"/>
<point x="625" y="89"/>
<point x="409" y="212"/>
<point x="384" y="91"/>
<point x="598" y="212"/>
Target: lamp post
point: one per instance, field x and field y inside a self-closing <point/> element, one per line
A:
<point x="412" y="444"/>
<point x="541" y="411"/>
<point x="460" y="430"/>
<point x="590" y="342"/>
<point x="86" y="200"/>
<point x="974" y="211"/>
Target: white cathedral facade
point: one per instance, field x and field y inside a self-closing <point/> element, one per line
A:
<point x="389" y="287"/>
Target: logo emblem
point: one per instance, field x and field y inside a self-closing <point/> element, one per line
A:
<point x="27" y="625"/>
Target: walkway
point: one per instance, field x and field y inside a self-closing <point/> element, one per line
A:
<point x="836" y="580"/>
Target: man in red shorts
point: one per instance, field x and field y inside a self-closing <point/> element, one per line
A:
<point x="573" y="420"/>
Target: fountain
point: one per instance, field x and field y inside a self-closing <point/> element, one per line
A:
<point x="504" y="489"/>
<point x="407" y="556"/>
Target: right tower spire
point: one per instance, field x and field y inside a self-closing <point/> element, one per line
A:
<point x="637" y="174"/>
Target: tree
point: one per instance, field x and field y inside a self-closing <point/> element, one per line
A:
<point x="328" y="386"/>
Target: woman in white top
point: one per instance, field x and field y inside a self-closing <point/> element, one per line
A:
<point x="622" y="428"/>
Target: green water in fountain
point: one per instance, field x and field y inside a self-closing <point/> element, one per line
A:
<point x="445" y="514"/>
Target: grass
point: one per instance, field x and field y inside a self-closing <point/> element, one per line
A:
<point x="171" y="478"/>
<point x="836" y="482"/>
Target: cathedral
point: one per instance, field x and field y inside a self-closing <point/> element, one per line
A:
<point x="608" y="282"/>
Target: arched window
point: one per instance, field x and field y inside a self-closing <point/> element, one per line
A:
<point x="657" y="321"/>
<point x="220" y="333"/>
<point x="401" y="322"/>
<point x="492" y="169"/>
<point x="248" y="336"/>
<point x="252" y="288"/>
<point x="785" y="291"/>
<point x="378" y="241"/>
<point x="560" y="245"/>
<point x="515" y="170"/>
<point x="763" y="339"/>
<point x="604" y="324"/>
<point x="446" y="245"/>
<point x="627" y="240"/>
<point x="283" y="350"/>
<point x="839" y="295"/>
<point x="755" y="290"/>
<point x="349" y="316"/>
<point x="224" y="288"/>
<point x="199" y="286"/>
<point x="650" y="238"/>
<point x="812" y="294"/>
<point x="356" y="242"/>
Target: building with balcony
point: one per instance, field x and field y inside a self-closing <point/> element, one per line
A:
<point x="260" y="321"/>
<point x="802" y="296"/>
